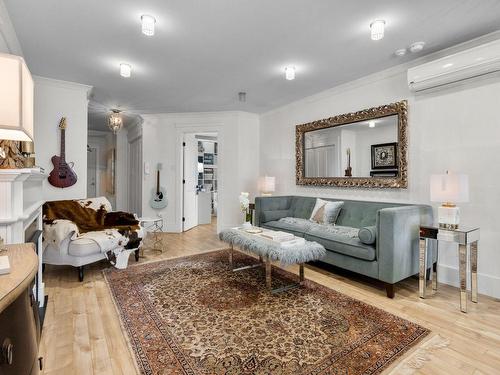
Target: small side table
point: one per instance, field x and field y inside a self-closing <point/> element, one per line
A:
<point x="153" y="225"/>
<point x="465" y="238"/>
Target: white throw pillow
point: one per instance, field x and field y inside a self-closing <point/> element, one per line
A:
<point x="319" y="204"/>
<point x="326" y="212"/>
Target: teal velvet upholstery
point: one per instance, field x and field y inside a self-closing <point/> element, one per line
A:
<point x="391" y="258"/>
<point x="368" y="235"/>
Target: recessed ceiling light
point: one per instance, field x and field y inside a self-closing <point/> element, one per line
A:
<point x="371" y="124"/>
<point x="125" y="70"/>
<point x="148" y="25"/>
<point x="377" y="28"/>
<point x="290" y="72"/>
<point x="400" y="52"/>
<point x="417" y="47"/>
<point x="447" y="65"/>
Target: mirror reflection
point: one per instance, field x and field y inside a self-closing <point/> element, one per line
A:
<point x="359" y="149"/>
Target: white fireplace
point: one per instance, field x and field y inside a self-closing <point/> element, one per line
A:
<point x="21" y="200"/>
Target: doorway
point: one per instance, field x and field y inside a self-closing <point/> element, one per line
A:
<point x="200" y="180"/>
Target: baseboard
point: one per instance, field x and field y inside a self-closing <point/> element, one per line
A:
<point x="487" y="284"/>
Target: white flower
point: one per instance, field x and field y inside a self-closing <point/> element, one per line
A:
<point x="244" y="201"/>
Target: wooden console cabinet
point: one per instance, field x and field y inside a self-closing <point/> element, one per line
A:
<point x="19" y="322"/>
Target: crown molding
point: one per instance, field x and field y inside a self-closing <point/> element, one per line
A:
<point x="8" y="33"/>
<point x="63" y="84"/>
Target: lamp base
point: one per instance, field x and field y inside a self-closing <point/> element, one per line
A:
<point x="448" y="217"/>
<point x="11" y="157"/>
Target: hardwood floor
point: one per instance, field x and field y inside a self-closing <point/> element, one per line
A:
<point x="82" y="332"/>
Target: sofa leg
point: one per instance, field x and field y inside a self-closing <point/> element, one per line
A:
<point x="136" y="255"/>
<point x="80" y="273"/>
<point x="389" y="289"/>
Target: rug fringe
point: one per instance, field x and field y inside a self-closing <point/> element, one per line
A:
<point x="421" y="356"/>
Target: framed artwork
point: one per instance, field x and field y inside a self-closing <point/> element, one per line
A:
<point x="385" y="156"/>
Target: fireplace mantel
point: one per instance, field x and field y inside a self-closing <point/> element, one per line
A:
<point x="21" y="200"/>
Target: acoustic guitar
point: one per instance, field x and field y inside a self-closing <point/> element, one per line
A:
<point x="159" y="195"/>
<point x="63" y="175"/>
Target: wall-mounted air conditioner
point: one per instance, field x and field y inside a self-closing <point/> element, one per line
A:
<point x="474" y="62"/>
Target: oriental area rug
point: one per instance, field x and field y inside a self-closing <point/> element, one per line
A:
<point x="194" y="315"/>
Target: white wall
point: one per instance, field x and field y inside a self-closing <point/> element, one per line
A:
<point x="457" y="128"/>
<point x="55" y="99"/>
<point x="238" y="166"/>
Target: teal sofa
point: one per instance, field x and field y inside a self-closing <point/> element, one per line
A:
<point x="393" y="257"/>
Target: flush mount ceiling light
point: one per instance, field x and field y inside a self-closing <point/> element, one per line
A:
<point x="148" y="24"/>
<point x="115" y="121"/>
<point x="417" y="47"/>
<point x="371" y="124"/>
<point x="377" y="28"/>
<point x="290" y="73"/>
<point x="125" y="70"/>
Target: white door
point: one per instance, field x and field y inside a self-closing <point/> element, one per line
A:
<point x="190" y="182"/>
<point x="135" y="176"/>
<point x="91" y="172"/>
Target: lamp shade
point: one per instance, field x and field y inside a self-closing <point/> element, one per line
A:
<point x="453" y="188"/>
<point x="267" y="184"/>
<point x="16" y="99"/>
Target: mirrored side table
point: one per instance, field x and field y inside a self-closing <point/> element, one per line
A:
<point x="466" y="239"/>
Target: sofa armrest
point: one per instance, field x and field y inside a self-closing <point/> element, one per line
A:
<point x="275" y="207"/>
<point x="398" y="240"/>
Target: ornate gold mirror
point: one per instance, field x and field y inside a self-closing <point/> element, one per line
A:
<point x="362" y="149"/>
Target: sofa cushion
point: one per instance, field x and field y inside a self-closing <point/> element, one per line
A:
<point x="297" y="229"/>
<point x="343" y="244"/>
<point x="274" y="215"/>
<point x="368" y="235"/>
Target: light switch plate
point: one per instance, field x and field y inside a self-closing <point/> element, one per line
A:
<point x="4" y="265"/>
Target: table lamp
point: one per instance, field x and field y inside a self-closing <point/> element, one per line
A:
<point x="16" y="109"/>
<point x="449" y="189"/>
<point x="267" y="186"/>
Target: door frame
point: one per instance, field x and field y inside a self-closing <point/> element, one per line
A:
<point x="97" y="168"/>
<point x="194" y="128"/>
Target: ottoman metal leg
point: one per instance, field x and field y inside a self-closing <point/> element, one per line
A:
<point x="231" y="256"/>
<point x="268" y="273"/>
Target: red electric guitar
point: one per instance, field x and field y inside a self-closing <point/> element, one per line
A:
<point x="63" y="175"/>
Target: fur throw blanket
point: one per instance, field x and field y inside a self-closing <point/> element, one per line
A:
<point x="92" y="219"/>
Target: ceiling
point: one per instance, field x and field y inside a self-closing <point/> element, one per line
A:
<point x="205" y="52"/>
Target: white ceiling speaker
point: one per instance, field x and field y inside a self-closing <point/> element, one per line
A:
<point x="148" y="24"/>
<point x="125" y="70"/>
<point x="400" y="52"/>
<point x="377" y="28"/>
<point x="417" y="47"/>
<point x="290" y="73"/>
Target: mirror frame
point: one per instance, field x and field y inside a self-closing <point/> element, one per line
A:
<point x="400" y="181"/>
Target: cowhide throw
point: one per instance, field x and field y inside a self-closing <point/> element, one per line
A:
<point x="114" y="232"/>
